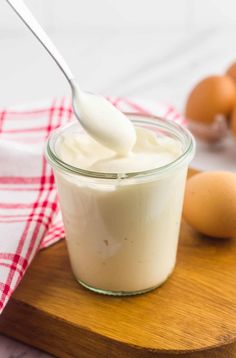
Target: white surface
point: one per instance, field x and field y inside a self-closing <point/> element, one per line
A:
<point x="123" y="48"/>
<point x="220" y="156"/>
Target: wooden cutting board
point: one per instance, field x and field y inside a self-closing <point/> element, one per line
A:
<point x="193" y="314"/>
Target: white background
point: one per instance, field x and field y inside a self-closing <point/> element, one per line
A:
<point x="155" y="49"/>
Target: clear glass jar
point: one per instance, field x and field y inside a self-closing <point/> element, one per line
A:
<point x="122" y="229"/>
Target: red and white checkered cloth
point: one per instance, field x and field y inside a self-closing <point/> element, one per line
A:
<point x="29" y="213"/>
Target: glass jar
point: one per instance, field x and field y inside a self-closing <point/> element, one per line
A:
<point x="122" y="229"/>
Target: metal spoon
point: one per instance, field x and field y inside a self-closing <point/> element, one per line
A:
<point x="94" y="122"/>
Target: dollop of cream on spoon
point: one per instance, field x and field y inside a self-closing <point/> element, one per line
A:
<point x="105" y="123"/>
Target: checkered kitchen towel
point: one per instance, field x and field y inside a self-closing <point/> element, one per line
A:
<point x="29" y="212"/>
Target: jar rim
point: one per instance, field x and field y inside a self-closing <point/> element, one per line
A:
<point x="174" y="128"/>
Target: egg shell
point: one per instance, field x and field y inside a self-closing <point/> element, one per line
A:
<point x="215" y="95"/>
<point x="210" y="203"/>
<point x="233" y="122"/>
<point x="211" y="133"/>
<point x="232" y="71"/>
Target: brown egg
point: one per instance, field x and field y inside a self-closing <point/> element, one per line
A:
<point x="210" y="204"/>
<point x="213" y="96"/>
<point x="232" y="71"/>
<point x="233" y="122"/>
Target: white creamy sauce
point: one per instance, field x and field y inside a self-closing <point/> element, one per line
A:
<point x="105" y="123"/>
<point x="149" y="152"/>
<point x="121" y="238"/>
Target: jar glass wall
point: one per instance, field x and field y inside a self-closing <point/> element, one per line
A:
<point x="122" y="228"/>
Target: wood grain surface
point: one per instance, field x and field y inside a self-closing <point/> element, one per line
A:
<point x="192" y="315"/>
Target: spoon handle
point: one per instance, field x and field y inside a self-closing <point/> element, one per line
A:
<point x="27" y="17"/>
